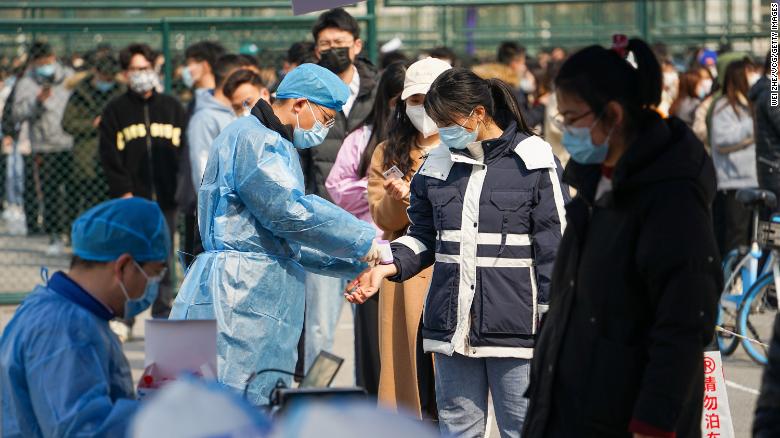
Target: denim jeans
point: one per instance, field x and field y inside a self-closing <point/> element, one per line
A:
<point x="324" y="300"/>
<point x="462" y="385"/>
<point x="14" y="178"/>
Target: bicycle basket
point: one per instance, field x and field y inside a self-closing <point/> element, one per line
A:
<point x="769" y="234"/>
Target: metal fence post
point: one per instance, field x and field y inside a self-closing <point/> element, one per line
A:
<point x="373" y="49"/>
<point x="642" y="18"/>
<point x="165" y="28"/>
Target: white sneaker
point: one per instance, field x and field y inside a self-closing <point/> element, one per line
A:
<point x="55" y="249"/>
<point x="15" y="221"/>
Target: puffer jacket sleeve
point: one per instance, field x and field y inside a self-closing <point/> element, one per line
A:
<point x="271" y="191"/>
<point x="345" y="186"/>
<point x="416" y="250"/>
<point x="677" y="261"/>
<point x="77" y="119"/>
<point x="199" y="134"/>
<point x="117" y="176"/>
<point x="548" y="221"/>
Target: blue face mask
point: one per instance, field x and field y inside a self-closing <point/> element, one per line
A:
<point x="309" y="138"/>
<point x="578" y="143"/>
<point x="186" y="77"/>
<point x="458" y="137"/>
<point x="45" y="71"/>
<point x="104" y="86"/>
<point x="134" y="307"/>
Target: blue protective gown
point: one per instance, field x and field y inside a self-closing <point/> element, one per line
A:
<point x="259" y="230"/>
<point x="62" y="369"/>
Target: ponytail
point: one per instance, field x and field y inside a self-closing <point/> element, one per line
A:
<point x="507" y="109"/>
<point x="628" y="73"/>
<point x="648" y="74"/>
<point x="456" y="92"/>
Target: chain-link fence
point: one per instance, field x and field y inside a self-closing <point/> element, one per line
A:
<point x="50" y="162"/>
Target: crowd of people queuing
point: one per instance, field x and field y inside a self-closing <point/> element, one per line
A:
<point x="524" y="197"/>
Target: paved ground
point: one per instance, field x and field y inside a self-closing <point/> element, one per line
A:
<point x="22" y="258"/>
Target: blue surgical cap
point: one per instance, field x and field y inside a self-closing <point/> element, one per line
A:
<point x="134" y="226"/>
<point x="317" y="84"/>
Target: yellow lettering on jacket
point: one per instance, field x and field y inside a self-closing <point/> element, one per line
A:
<point x="176" y="140"/>
<point x="156" y="130"/>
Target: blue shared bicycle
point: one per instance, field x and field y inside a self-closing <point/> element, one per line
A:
<point x="748" y="302"/>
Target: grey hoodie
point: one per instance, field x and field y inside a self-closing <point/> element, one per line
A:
<point x="45" y="118"/>
<point x="208" y="120"/>
<point x="735" y="170"/>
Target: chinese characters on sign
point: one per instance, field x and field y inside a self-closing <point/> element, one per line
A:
<point x="716" y="417"/>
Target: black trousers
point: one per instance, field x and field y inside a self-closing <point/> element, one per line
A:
<point x="731" y="220"/>
<point x="48" y="181"/>
<point x="164" y="302"/>
<point x="367" y="345"/>
<point x="193" y="245"/>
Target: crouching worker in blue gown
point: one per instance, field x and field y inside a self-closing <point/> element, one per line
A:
<point x="261" y="231"/>
<point x="62" y="370"/>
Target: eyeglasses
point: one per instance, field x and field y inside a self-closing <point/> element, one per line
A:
<point x="329" y="121"/>
<point x="560" y="122"/>
<point x="139" y="69"/>
<point x="157" y="278"/>
<point x="325" y="45"/>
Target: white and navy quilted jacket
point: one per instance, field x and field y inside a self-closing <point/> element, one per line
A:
<point x="491" y="228"/>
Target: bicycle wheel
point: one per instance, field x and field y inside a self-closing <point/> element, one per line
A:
<point x="757" y="317"/>
<point x="728" y="305"/>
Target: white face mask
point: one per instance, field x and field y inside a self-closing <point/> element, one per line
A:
<point x="753" y="78"/>
<point x="705" y="86"/>
<point x="143" y="81"/>
<point x="421" y="121"/>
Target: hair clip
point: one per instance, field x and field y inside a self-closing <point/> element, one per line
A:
<point x="620" y="45"/>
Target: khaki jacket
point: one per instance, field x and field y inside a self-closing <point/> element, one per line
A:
<point x="400" y="304"/>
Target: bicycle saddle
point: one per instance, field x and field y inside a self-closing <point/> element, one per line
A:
<point x="757" y="197"/>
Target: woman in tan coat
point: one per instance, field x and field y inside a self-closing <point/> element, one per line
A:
<point x="406" y="378"/>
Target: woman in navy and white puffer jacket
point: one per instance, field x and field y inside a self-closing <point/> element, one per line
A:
<point x="487" y="210"/>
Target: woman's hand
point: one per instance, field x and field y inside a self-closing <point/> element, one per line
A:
<point x="366" y="285"/>
<point x="397" y="189"/>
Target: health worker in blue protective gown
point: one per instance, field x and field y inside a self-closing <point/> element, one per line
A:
<point x="62" y="369"/>
<point x="261" y="232"/>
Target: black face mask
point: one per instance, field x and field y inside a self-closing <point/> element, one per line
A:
<point x="335" y="59"/>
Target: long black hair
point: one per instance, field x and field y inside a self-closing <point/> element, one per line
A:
<point x="457" y="91"/>
<point x="390" y="86"/>
<point x="401" y="137"/>
<point x="735" y="83"/>
<point x="598" y="76"/>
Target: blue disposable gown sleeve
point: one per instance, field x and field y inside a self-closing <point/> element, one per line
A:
<point x="320" y="263"/>
<point x="69" y="390"/>
<point x="273" y="192"/>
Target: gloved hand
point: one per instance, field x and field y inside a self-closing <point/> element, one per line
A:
<point x="373" y="255"/>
